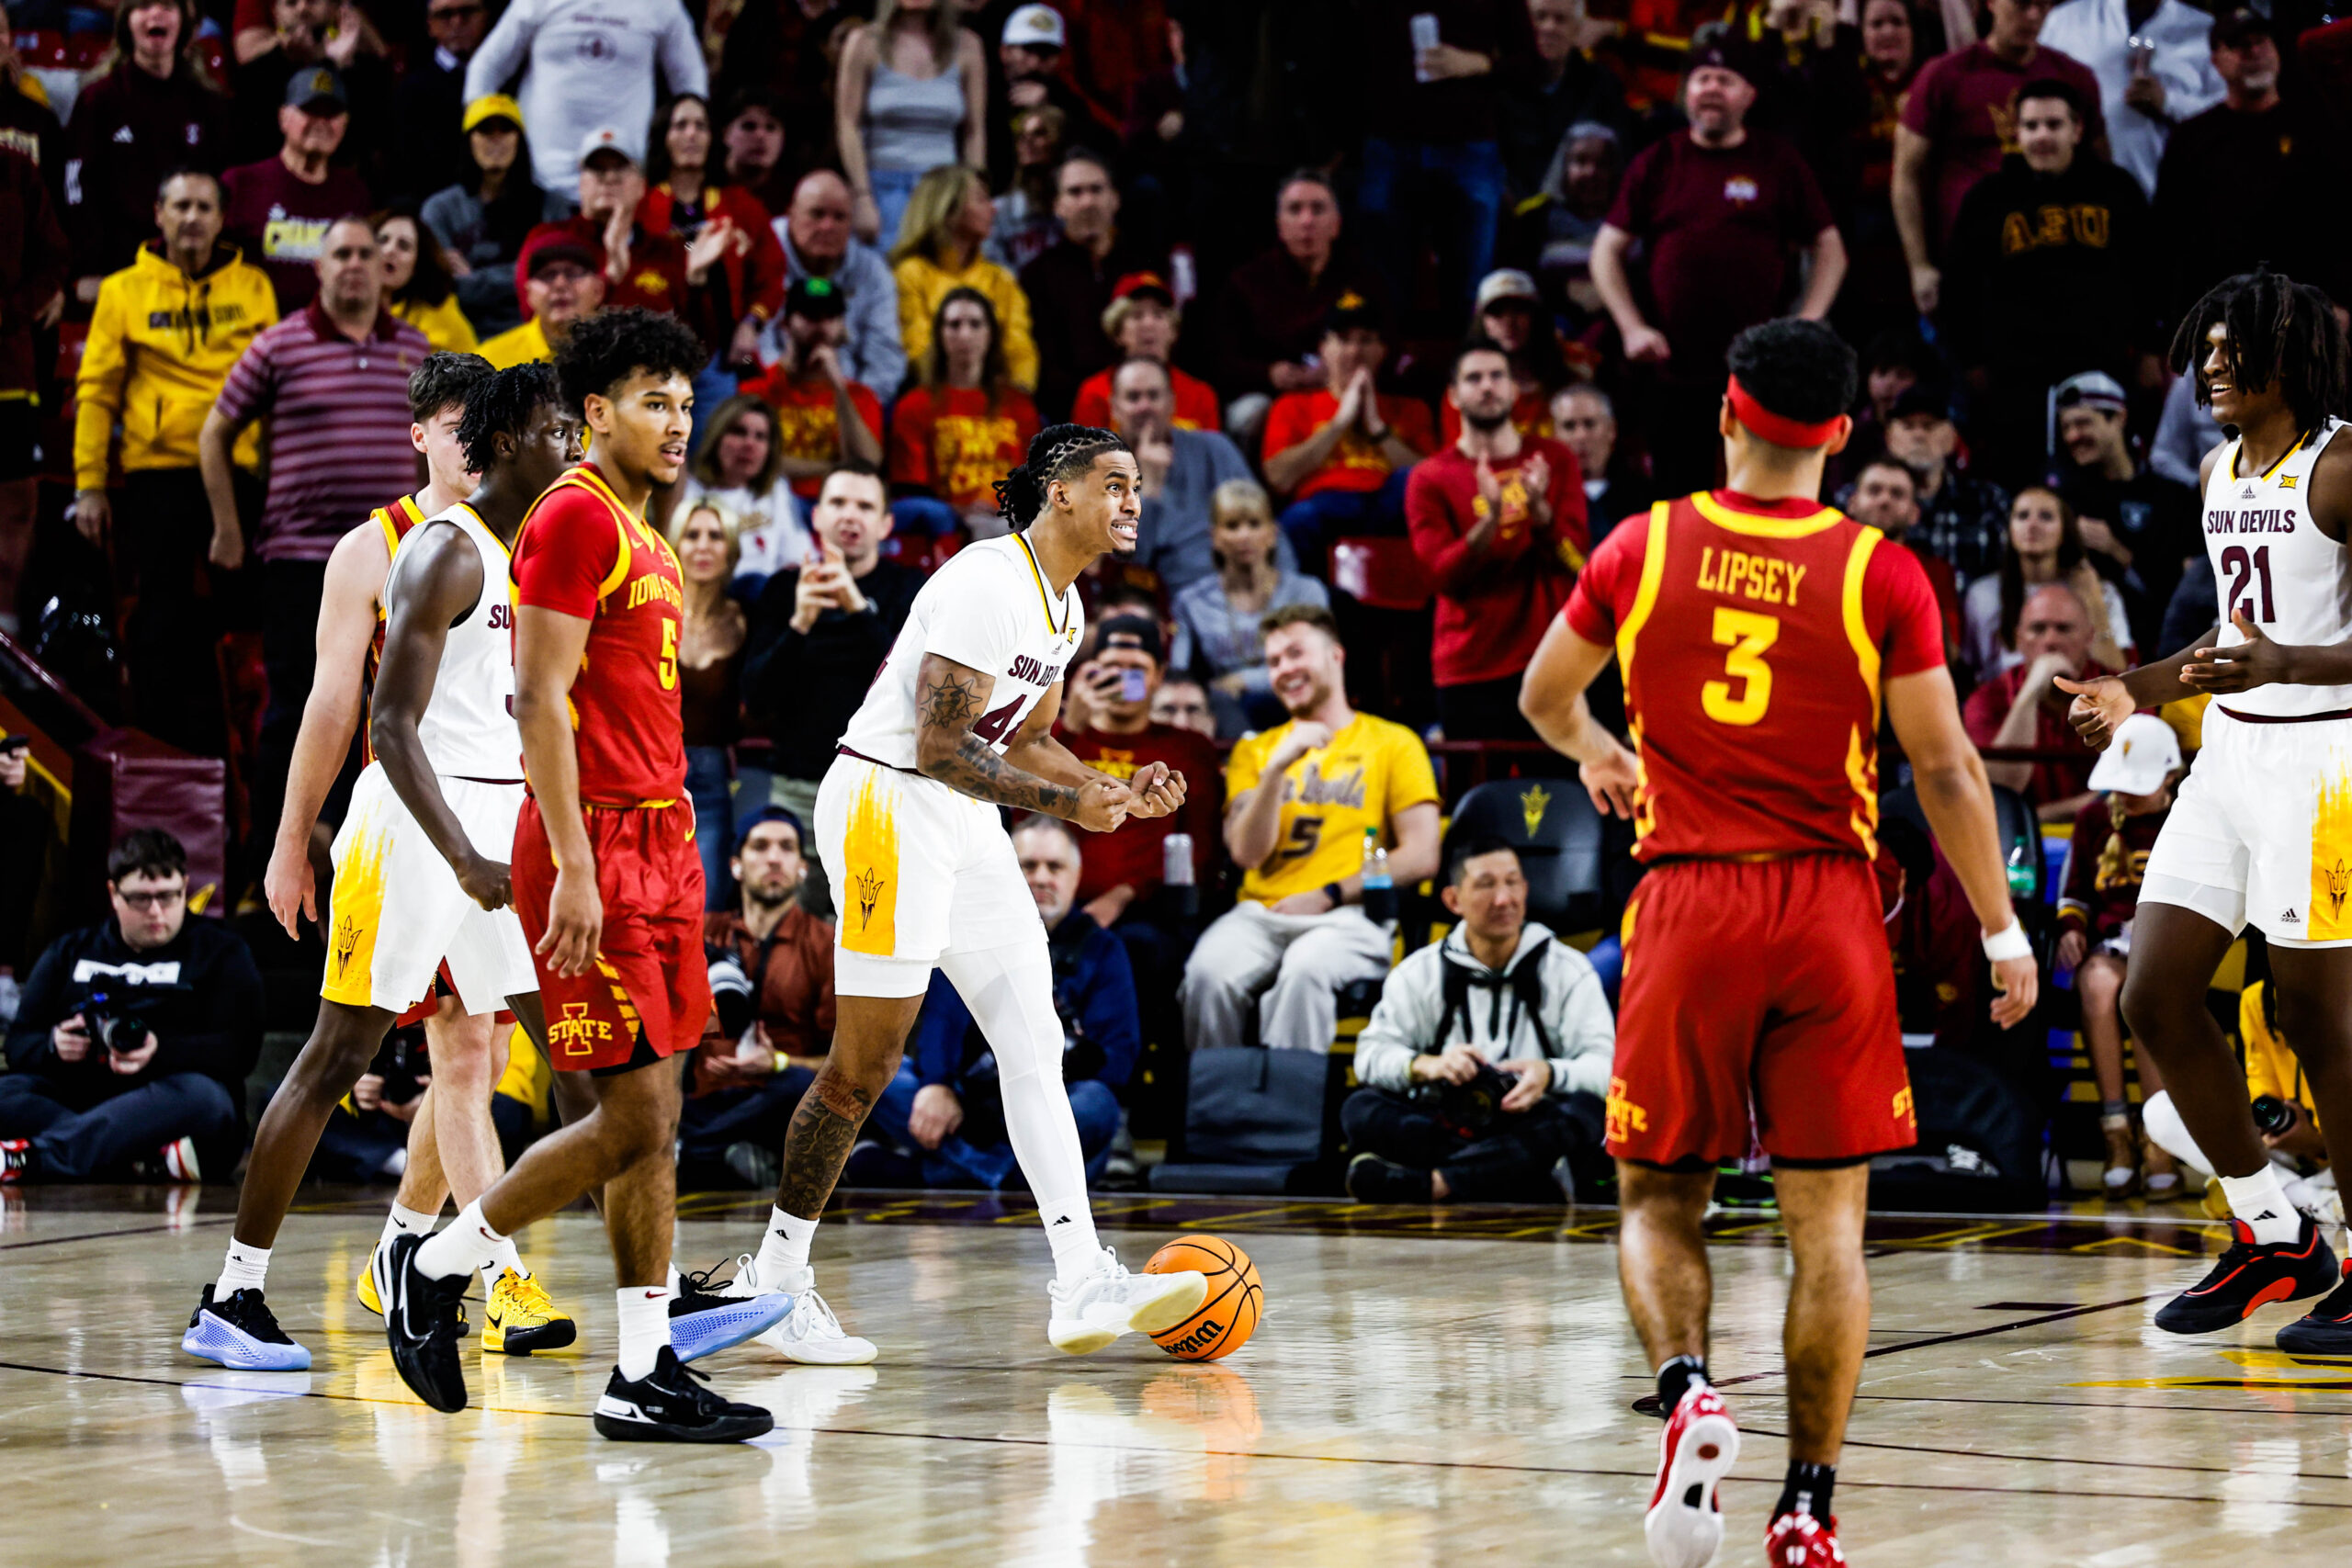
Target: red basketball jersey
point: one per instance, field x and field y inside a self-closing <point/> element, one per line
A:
<point x="582" y="553"/>
<point x="1753" y="637"/>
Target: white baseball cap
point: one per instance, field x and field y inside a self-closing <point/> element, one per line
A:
<point x="609" y="139"/>
<point x="2144" y="752"/>
<point x="1036" y="27"/>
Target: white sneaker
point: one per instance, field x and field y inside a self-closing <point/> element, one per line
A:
<point x="1111" y="1302"/>
<point x="812" y="1334"/>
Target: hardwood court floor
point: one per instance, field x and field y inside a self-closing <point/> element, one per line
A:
<point x="1424" y="1391"/>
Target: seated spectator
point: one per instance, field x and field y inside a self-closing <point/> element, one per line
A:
<point x="1886" y="498"/>
<point x="938" y="253"/>
<point x="1026" y="224"/>
<point x="562" y="284"/>
<point x="2019" y="316"/>
<point x="962" y="427"/>
<point x="685" y="201"/>
<point x="1275" y="310"/>
<point x="1498" y="519"/>
<point x="1181" y="470"/>
<point x="823" y="418"/>
<point x="1071" y="284"/>
<point x="752" y="137"/>
<point x="2184" y="433"/>
<point x="279" y="210"/>
<point x="1341" y="454"/>
<point x="2021" y="706"/>
<point x="711" y="633"/>
<point x="1141" y="320"/>
<point x="941" y="1118"/>
<point x="417" y="287"/>
<point x="132" y="1039"/>
<point x="1305" y="804"/>
<point x="815" y="230"/>
<point x="1218" y="616"/>
<point x="2144" y="527"/>
<point x="1963" y="518"/>
<point x="1510" y="315"/>
<point x="819" y="632"/>
<point x="1029" y="75"/>
<point x="740" y="465"/>
<point x="1585" y="421"/>
<point x="2106" y="860"/>
<point x="138" y="362"/>
<point x="302" y="34"/>
<point x="1894" y="363"/>
<point x="2043" y="548"/>
<point x="1182" y="703"/>
<point x="481" y="221"/>
<point x="642" y="267"/>
<point x="1487" y="1059"/>
<point x="746" y="1083"/>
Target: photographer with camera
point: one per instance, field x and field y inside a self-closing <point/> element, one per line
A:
<point x="1485" y="1062"/>
<point x="134" y="1037"/>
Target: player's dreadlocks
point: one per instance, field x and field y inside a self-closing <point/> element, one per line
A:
<point x="1057" y="452"/>
<point x="2277" y="328"/>
<point x="1801" y="370"/>
<point x="502" y="403"/>
<point x="610" y="347"/>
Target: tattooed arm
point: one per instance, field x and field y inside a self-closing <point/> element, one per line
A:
<point x="1157" y="790"/>
<point x="949" y="699"/>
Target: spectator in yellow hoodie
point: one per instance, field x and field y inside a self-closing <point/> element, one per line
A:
<point x="165" y="333"/>
<point x="947" y="220"/>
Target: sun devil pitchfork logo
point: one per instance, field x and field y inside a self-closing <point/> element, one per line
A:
<point x="869" y="893"/>
<point x="347" y="942"/>
<point x="2339" y="882"/>
<point x="1532" y="805"/>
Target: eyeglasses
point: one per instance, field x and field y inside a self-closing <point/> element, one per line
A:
<point x="156" y="901"/>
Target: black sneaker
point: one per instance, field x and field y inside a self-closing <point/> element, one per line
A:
<point x="2250" y="1276"/>
<point x="2326" y="1329"/>
<point x="1371" y="1180"/>
<point x="671" y="1404"/>
<point x="242" y="1333"/>
<point x="422" y="1324"/>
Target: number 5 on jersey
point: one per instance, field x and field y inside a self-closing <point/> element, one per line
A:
<point x="1747" y="634"/>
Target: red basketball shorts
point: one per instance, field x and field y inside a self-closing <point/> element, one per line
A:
<point x="1758" y="993"/>
<point x="650" y="976"/>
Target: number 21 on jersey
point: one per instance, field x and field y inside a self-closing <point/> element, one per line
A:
<point x="2246" y="568"/>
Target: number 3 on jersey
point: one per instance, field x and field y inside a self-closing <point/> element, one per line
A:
<point x="1747" y="634"/>
<point x="2243" y="569"/>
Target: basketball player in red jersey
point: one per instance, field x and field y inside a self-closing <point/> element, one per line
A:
<point x="609" y="888"/>
<point x="1759" y="635"/>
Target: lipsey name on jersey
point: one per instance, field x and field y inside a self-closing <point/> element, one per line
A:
<point x="2250" y="520"/>
<point x="1029" y="672"/>
<point x="1753" y="577"/>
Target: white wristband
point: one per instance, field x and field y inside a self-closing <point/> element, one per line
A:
<point x="2008" y="943"/>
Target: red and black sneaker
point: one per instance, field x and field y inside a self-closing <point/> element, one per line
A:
<point x="15" y="1158"/>
<point x="2326" y="1329"/>
<point x="2249" y="1276"/>
<point x="1801" y="1541"/>
<point x="1685" y="1524"/>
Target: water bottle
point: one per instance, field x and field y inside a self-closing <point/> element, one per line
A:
<point x="1176" y="873"/>
<point x="1424" y="30"/>
<point x="1379" y="890"/>
<point x="2020" y="869"/>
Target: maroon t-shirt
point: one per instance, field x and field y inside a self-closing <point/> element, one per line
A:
<point x="1965" y="104"/>
<point x="281" y="223"/>
<point x="1719" y="226"/>
<point x="1134" y="854"/>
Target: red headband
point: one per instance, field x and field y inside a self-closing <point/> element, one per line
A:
<point x="1780" y="431"/>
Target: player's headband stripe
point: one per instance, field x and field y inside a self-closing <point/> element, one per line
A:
<point x="1778" y="429"/>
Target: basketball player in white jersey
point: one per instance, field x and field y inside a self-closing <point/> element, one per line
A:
<point x="452" y="1142"/>
<point x="2261" y="833"/>
<point x="421" y="875"/>
<point x="958" y="724"/>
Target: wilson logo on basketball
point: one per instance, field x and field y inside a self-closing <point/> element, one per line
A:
<point x="1200" y="1339"/>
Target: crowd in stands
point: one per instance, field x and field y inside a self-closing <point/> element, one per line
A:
<point x="1402" y="306"/>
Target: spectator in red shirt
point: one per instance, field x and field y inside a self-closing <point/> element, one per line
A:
<point x="2022" y="706"/>
<point x="1722" y="212"/>
<point x="1341" y="453"/>
<point x="688" y="202"/>
<point x="962" y="429"/>
<point x="1142" y="319"/>
<point x="1886" y="497"/>
<point x="1274" y="311"/>
<point x="280" y="208"/>
<point x="642" y="267"/>
<point x="1511" y="316"/>
<point x="822" y="418"/>
<point x="1959" y="120"/>
<point x="1498" y="519"/>
<point x="1072" y="283"/>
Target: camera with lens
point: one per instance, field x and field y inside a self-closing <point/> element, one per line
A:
<point x="730" y="994"/>
<point x="117" y="1020"/>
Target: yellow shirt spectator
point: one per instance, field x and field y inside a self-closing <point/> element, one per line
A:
<point x="2270" y="1068"/>
<point x="1371" y="771"/>
<point x="924" y="284"/>
<point x="162" y="342"/>
<point x="519" y="346"/>
<point x="443" y="325"/>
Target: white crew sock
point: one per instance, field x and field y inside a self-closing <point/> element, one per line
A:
<point x="645" y="1328"/>
<point x="784" y="1251"/>
<point x="2261" y="1201"/>
<point x="670" y="1280"/>
<point x="465" y="1246"/>
<point x="244" y="1269"/>
<point x="505" y="1257"/>
<point x="404" y="1221"/>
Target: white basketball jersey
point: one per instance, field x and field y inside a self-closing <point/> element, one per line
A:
<point x="467" y="725"/>
<point x="2272" y="565"/>
<point x="990" y="608"/>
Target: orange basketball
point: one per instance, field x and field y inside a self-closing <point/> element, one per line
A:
<point x="1229" y="1316"/>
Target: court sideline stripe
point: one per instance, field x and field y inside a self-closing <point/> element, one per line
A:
<point x="1963" y="1334"/>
